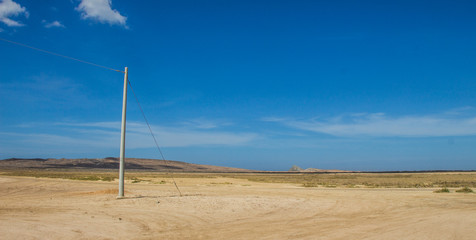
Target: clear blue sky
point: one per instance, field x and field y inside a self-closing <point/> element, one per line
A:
<point x="357" y="85"/>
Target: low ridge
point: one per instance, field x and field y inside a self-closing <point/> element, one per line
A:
<point x="112" y="163"/>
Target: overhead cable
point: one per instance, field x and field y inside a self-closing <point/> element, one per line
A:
<point x="59" y="55"/>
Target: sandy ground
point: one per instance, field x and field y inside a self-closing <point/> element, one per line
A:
<point x="222" y="208"/>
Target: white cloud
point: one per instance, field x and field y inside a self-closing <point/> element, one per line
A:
<point x="9" y="9"/>
<point x="54" y="24"/>
<point x="379" y="125"/>
<point x="100" y="10"/>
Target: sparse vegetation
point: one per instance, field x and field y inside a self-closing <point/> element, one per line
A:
<point x="221" y="183"/>
<point x="443" y="190"/>
<point x="72" y="175"/>
<point x="465" y="190"/>
<point x="136" y="180"/>
<point x="369" y="180"/>
<point x="310" y="184"/>
<point x="108" y="178"/>
<point x="372" y="180"/>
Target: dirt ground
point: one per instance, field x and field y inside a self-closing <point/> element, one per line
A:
<point x="226" y="208"/>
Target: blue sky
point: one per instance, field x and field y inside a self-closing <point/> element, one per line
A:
<point x="356" y="85"/>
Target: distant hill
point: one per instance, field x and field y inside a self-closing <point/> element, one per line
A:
<point x="113" y="164"/>
<point x="295" y="168"/>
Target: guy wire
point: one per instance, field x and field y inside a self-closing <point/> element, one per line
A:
<point x="153" y="136"/>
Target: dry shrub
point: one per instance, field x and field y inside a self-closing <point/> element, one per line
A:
<point x="465" y="190"/>
<point x="443" y="190"/>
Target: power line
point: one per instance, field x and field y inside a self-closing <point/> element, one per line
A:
<point x="153" y="136"/>
<point x="59" y="55"/>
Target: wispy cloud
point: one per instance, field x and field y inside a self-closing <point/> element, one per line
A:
<point x="202" y="123"/>
<point x="381" y="125"/>
<point x="40" y="89"/>
<point x="54" y="24"/>
<point x="101" y="11"/>
<point x="10" y="9"/>
<point x="460" y="111"/>
<point x="107" y="135"/>
<point x="139" y="135"/>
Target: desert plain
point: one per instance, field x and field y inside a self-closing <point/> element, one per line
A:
<point x="235" y="206"/>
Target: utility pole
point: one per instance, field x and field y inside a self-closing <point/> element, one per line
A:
<point x="123" y="138"/>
